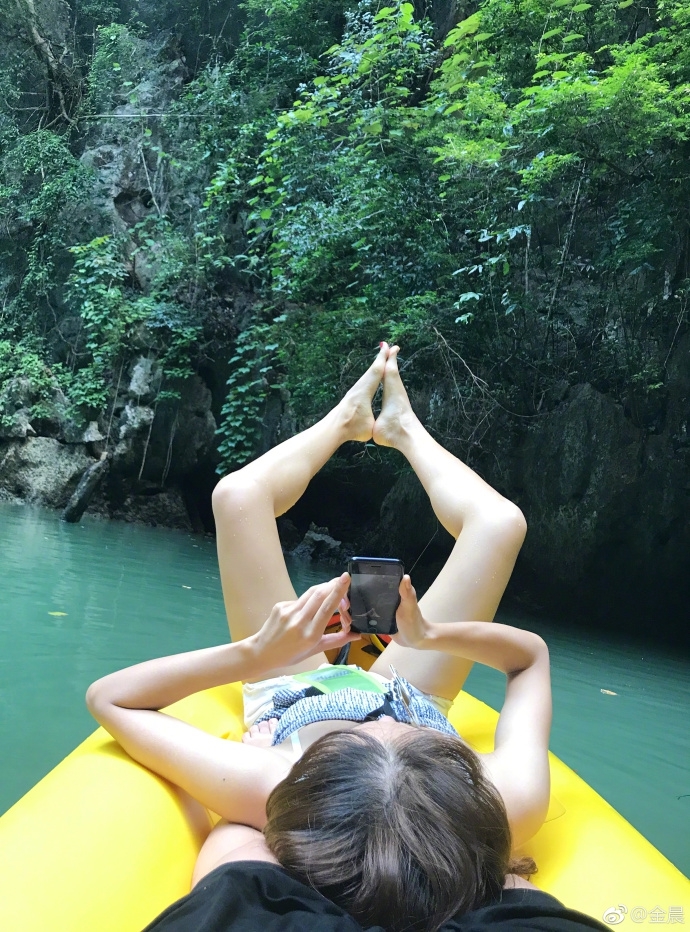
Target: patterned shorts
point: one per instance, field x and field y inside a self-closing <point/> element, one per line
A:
<point x="258" y="697"/>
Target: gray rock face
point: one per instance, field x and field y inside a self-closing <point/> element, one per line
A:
<point x="16" y="399"/>
<point x="129" y="186"/>
<point x="608" y="510"/>
<point x="580" y="472"/>
<point x="607" y="501"/>
<point x="607" y="504"/>
<point x="92" y="434"/>
<point x="318" y="545"/>
<point x="290" y="537"/>
<point x="16" y="393"/>
<point x="191" y="425"/>
<point x="41" y="470"/>
<point x="91" y="478"/>
<point x="145" y="380"/>
<point x="155" y="443"/>
<point x="16" y="425"/>
<point x="168" y="440"/>
<point x="407" y="523"/>
<point x="134" y="420"/>
<point x="27" y="410"/>
<point x="166" y="508"/>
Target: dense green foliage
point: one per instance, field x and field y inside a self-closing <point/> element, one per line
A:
<point x="507" y="199"/>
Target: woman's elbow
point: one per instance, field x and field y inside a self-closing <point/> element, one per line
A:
<point x="535" y="653"/>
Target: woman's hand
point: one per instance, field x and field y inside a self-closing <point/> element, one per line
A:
<point x="413" y="630"/>
<point x="295" y="631"/>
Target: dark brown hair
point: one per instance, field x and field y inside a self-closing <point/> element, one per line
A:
<point x="405" y="834"/>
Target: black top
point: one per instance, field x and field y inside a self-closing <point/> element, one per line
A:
<point x="254" y="896"/>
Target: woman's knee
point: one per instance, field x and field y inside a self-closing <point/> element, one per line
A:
<point x="515" y="523"/>
<point x="506" y="526"/>
<point x="233" y="495"/>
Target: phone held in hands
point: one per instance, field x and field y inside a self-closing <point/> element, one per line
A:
<point x="373" y="594"/>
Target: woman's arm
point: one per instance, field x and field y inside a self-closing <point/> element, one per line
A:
<point x="519" y="763"/>
<point x="521" y="655"/>
<point x="293" y="631"/>
<point x="231" y="778"/>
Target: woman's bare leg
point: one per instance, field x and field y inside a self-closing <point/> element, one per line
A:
<point x="247" y="502"/>
<point x="489" y="531"/>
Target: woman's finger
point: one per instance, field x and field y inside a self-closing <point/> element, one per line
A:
<point x="336" y="641"/>
<point x="345" y="618"/>
<point x="322" y="603"/>
<point x="308" y="610"/>
<point x="317" y="592"/>
<point x="307" y="594"/>
<point x="332" y="600"/>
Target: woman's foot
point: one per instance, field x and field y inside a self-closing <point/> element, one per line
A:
<point x="397" y="417"/>
<point x="354" y="410"/>
<point x="261" y="735"/>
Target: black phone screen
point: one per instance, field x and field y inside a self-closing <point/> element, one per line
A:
<point x="374" y="595"/>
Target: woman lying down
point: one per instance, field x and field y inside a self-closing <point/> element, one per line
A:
<point x="360" y="808"/>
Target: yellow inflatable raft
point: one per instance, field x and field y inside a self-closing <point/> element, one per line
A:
<point x="102" y="845"/>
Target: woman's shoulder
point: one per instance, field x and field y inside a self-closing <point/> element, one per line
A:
<point x="524" y="910"/>
<point x="245" y="896"/>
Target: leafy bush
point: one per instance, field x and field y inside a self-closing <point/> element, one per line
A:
<point x="116" y="67"/>
<point x="507" y="200"/>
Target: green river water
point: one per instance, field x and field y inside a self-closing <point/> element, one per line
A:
<point x="81" y="600"/>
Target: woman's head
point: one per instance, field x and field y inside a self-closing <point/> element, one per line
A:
<point x="403" y="833"/>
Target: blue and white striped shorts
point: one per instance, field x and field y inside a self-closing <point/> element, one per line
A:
<point x="258" y="697"/>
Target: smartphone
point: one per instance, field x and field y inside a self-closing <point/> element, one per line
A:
<point x="374" y="594"/>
